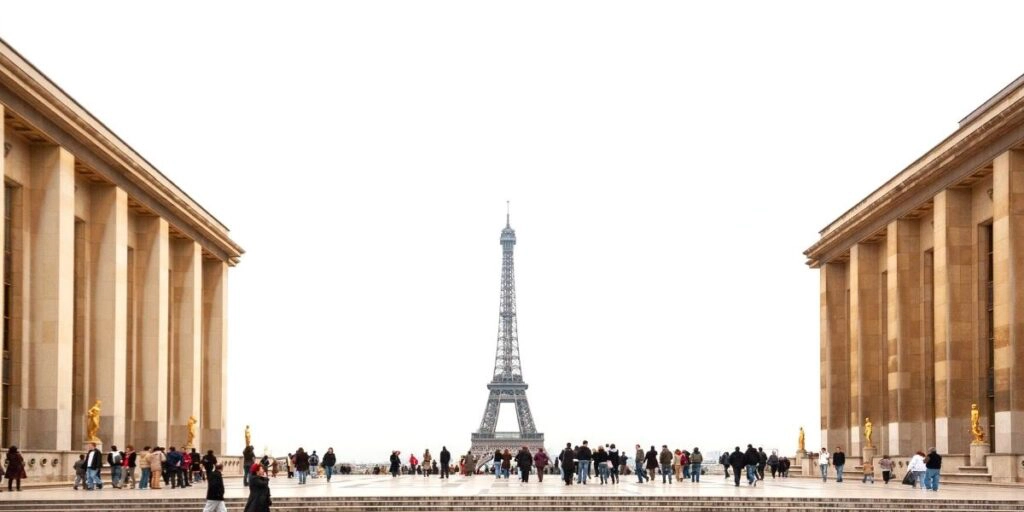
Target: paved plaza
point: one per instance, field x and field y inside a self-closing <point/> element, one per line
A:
<point x="483" y="485"/>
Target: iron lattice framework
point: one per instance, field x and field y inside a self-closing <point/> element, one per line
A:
<point x="507" y="384"/>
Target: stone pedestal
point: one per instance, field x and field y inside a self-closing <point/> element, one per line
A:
<point x="800" y="455"/>
<point x="868" y="454"/>
<point x="978" y="453"/>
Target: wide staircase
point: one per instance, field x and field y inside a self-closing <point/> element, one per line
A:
<point x="538" y="504"/>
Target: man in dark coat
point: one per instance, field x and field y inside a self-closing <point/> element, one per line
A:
<point x="762" y="461"/>
<point x="248" y="459"/>
<point x="651" y="459"/>
<point x="736" y="460"/>
<point x="751" y="458"/>
<point x="524" y="460"/>
<point x="93" y="464"/>
<point x="328" y="463"/>
<point x="724" y="461"/>
<point x="566" y="458"/>
<point x="839" y="461"/>
<point x="446" y="459"/>
<point x="215" y="490"/>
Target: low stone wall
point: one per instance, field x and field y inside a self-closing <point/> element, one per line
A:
<point x="43" y="466"/>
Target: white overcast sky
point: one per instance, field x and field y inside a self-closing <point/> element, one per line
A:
<point x="667" y="163"/>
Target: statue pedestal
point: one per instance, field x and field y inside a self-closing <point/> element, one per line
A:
<point x="868" y="453"/>
<point x="800" y="455"/>
<point x="978" y="453"/>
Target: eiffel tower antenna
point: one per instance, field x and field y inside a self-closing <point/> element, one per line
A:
<point x="507" y="385"/>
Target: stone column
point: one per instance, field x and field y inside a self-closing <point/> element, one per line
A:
<point x="867" y="391"/>
<point x="215" y="357"/>
<point x="187" y="293"/>
<point x="109" y="245"/>
<point x="1008" y="300"/>
<point x="152" y="257"/>
<point x="51" y="300"/>
<point x="955" y="316"/>
<point x="3" y="240"/>
<point x="906" y="377"/>
<point x="835" y="366"/>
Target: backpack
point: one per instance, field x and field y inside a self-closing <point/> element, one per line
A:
<point x="314" y="460"/>
<point x="114" y="458"/>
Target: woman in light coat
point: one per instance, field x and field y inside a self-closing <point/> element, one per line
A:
<point x="918" y="468"/>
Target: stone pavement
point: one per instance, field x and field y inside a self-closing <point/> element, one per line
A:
<point x="487" y="486"/>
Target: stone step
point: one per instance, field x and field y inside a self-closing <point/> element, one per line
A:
<point x="972" y="469"/>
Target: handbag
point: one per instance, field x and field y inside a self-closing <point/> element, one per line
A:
<point x="908" y="479"/>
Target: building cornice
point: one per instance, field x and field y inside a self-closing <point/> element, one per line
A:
<point x="28" y="93"/>
<point x="973" y="146"/>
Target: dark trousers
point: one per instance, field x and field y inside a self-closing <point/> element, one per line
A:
<point x="567" y="475"/>
<point x="726" y="466"/>
<point x="736" y="471"/>
<point x="12" y="481"/>
<point x="525" y="474"/>
<point x="177" y="477"/>
<point x="760" y="471"/>
<point x="444" y="470"/>
<point x="540" y="474"/>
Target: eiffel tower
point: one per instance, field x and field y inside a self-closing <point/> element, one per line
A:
<point x="507" y="385"/>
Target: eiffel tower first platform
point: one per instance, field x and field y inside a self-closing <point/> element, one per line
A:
<point x="507" y="385"/>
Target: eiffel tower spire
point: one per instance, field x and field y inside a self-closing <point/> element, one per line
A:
<point x="507" y="385"/>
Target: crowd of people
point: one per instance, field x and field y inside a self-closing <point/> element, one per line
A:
<point x="155" y="465"/>
<point x="922" y="468"/>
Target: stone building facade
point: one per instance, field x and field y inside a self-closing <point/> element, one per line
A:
<point x="114" y="284"/>
<point x="922" y="300"/>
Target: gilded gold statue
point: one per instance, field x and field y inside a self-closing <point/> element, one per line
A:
<point x="867" y="433"/>
<point x="191" y="431"/>
<point x="93" y="428"/>
<point x="800" y="441"/>
<point x="976" y="430"/>
<point x="248" y="437"/>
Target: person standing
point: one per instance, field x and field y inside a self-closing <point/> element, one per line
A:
<point x="696" y="459"/>
<point x="918" y="467"/>
<point x="248" y="459"/>
<point x="684" y="464"/>
<point x="329" y="461"/>
<point x="736" y="460"/>
<point x="80" y="471"/>
<point x="614" y="459"/>
<point x="93" y="465"/>
<point x="446" y="459"/>
<point x="427" y="459"/>
<point x="751" y="458"/>
<point x="724" y="461"/>
<point x="506" y="463"/>
<point x="209" y="463"/>
<point x="142" y="460"/>
<point x="176" y="468"/>
<point x="114" y="461"/>
<point x="301" y="465"/>
<point x="601" y="461"/>
<point x="665" y="458"/>
<point x="468" y="464"/>
<point x="869" y="471"/>
<point x="773" y="463"/>
<point x="215" y="490"/>
<point x="932" y="463"/>
<point x="823" y="463"/>
<point x="396" y="463"/>
<point x="413" y="463"/>
<point x="652" y="463"/>
<point x="885" y="464"/>
<point x="128" y="466"/>
<point x="638" y="465"/>
<point x="583" y="455"/>
<point x="259" y="490"/>
<point x="524" y="462"/>
<point x="156" y="466"/>
<point x="15" y="468"/>
<point x="195" y="466"/>
<point x="839" y="461"/>
<point x="540" y="461"/>
<point x="677" y="470"/>
<point x="566" y="458"/>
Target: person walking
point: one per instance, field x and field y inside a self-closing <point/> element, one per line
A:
<point x="566" y="458"/>
<point x="885" y="464"/>
<point x="142" y="460"/>
<point x="80" y="471"/>
<point x="329" y="461"/>
<point x="248" y="459"/>
<point x="751" y="458"/>
<point x="677" y="470"/>
<point x="128" y="466"/>
<point x="651" y="458"/>
<point x="869" y="471"/>
<point x="506" y="463"/>
<point x="93" y="465"/>
<point x="524" y="461"/>
<point x="614" y="460"/>
<point x="314" y="464"/>
<point x="301" y="465"/>
<point x="156" y="466"/>
<point x="114" y="461"/>
<point x="762" y="461"/>
<point x="396" y="463"/>
<point x="209" y="462"/>
<point x="601" y="461"/>
<point x="696" y="459"/>
<point x="638" y="463"/>
<point x="584" y="456"/>
<point x="932" y="463"/>
<point x="736" y="460"/>
<point x="413" y="463"/>
<point x="665" y="458"/>
<point x="918" y="467"/>
<point x="723" y="459"/>
<point x="15" y="468"/>
<point x="773" y="463"/>
<point x="839" y="461"/>
<point x="469" y="464"/>
<point x="259" y="490"/>
<point x="446" y="460"/>
<point x="215" y="490"/>
<point x="823" y="458"/>
<point x="427" y="459"/>
<point x="540" y="461"/>
<point x="684" y="464"/>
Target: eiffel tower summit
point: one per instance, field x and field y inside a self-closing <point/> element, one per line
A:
<point x="507" y="384"/>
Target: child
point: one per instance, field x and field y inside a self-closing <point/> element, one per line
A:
<point x="869" y="471"/>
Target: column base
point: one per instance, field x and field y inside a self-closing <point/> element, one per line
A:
<point x="978" y="453"/>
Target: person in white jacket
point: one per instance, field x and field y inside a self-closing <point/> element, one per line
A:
<point x="823" y="464"/>
<point x="917" y="467"/>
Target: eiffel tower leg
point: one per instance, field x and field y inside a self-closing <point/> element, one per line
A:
<point x="526" y="425"/>
<point x="490" y="419"/>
